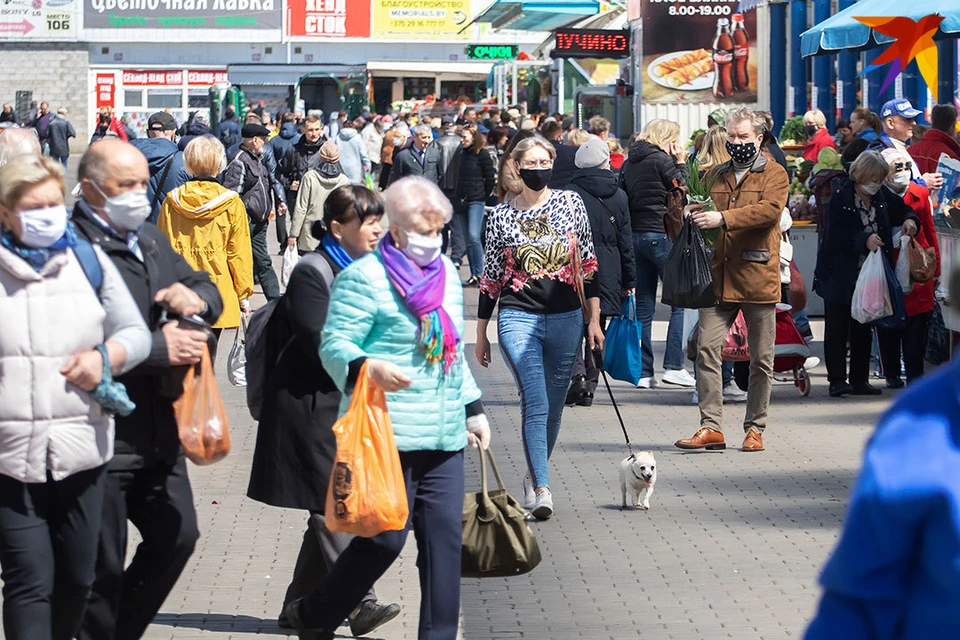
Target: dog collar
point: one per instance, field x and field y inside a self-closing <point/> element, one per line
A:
<point x="638" y="477"/>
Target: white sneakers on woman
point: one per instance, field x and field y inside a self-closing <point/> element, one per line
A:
<point x="679" y="377"/>
<point x="529" y="495"/>
<point x="543" y="507"/>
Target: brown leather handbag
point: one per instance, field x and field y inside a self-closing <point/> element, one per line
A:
<point x="923" y="261"/>
<point x="497" y="541"/>
<point x="673" y="218"/>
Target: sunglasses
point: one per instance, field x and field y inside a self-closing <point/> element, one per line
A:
<point x="903" y="166"/>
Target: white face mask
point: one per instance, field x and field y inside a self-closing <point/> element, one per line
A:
<point x="900" y="180"/>
<point x="127" y="210"/>
<point x="870" y="189"/>
<point x="40" y="228"/>
<point x="421" y="249"/>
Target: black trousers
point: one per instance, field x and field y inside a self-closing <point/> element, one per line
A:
<point x="318" y="553"/>
<point x="839" y="327"/>
<point x="585" y="365"/>
<point x="913" y="338"/>
<point x="159" y="502"/>
<point x="435" y="483"/>
<point x="48" y="547"/>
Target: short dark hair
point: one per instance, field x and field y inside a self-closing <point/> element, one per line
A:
<point x="497" y="135"/>
<point x="505" y="117"/>
<point x="944" y="118"/>
<point x="551" y="130"/>
<point x="288" y="116"/>
<point x="345" y="204"/>
<point x="853" y="151"/>
<point x="843" y="124"/>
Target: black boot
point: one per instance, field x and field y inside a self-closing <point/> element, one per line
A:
<point x="291" y="612"/>
<point x="371" y="615"/>
<point x="578" y="387"/>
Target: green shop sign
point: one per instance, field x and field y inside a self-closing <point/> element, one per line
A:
<point x="493" y="51"/>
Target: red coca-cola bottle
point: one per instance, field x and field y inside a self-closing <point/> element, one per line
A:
<point x="741" y="53"/>
<point x="723" y="60"/>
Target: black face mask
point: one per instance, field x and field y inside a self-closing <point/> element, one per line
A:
<point x="536" y="179"/>
<point x="743" y="154"/>
<point x="811" y="129"/>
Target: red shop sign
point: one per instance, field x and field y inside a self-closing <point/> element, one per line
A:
<point x="328" y="18"/>
<point x="105" y="90"/>
<point x="207" y="77"/>
<point x="152" y="77"/>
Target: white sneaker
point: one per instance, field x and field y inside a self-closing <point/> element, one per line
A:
<point x="733" y="393"/>
<point x="811" y="362"/>
<point x="529" y="495"/>
<point x="543" y="506"/>
<point x="648" y="383"/>
<point x="679" y="377"/>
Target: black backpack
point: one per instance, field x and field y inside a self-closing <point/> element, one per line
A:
<point x="268" y="334"/>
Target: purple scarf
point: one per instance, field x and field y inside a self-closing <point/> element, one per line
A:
<point x="422" y="290"/>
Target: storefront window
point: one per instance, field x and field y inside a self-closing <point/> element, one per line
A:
<point x="198" y="99"/>
<point x="472" y="89"/>
<point x="164" y="98"/>
<point x="417" y="88"/>
<point x="133" y="98"/>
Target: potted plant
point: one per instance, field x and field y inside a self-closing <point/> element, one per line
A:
<point x="698" y="192"/>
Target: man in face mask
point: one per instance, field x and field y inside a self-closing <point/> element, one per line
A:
<point x="749" y="193"/>
<point x="147" y="477"/>
<point x="898" y="118"/>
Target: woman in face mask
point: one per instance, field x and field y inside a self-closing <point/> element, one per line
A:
<point x="538" y="252"/>
<point x="860" y="218"/>
<point x="399" y="310"/>
<point x="207" y="224"/>
<point x="65" y="309"/>
<point x="818" y="138"/>
<point x="911" y="341"/>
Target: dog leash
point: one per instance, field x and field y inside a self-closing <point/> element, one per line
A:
<point x="598" y="361"/>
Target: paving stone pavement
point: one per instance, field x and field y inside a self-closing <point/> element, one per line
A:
<point x="730" y="548"/>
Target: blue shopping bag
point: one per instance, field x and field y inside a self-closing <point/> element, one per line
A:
<point x="898" y="319"/>
<point x="621" y="353"/>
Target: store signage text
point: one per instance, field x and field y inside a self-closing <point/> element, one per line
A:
<point x="173" y="78"/>
<point x="328" y="18"/>
<point x="182" y="14"/>
<point x="492" y="52"/>
<point x="105" y="90"/>
<point x="591" y="43"/>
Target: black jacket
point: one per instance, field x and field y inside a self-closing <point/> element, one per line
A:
<point x="297" y="160"/>
<point x="844" y="242"/>
<point x="477" y="176"/>
<point x="59" y="132"/>
<point x="250" y="178"/>
<point x="647" y="176"/>
<point x="612" y="240"/>
<point x="150" y="432"/>
<point x="295" y="441"/>
<point x="564" y="166"/>
<point x="450" y="147"/>
<point x="406" y="162"/>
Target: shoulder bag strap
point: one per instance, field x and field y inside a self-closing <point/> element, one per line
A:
<point x="163" y="181"/>
<point x="575" y="259"/>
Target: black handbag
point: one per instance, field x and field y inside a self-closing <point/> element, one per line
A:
<point x="497" y="541"/>
<point x="687" y="276"/>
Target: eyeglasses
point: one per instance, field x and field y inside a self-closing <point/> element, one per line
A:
<point x="903" y="166"/>
<point x="533" y="164"/>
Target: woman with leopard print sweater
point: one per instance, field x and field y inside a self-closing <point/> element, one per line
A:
<point x="539" y="261"/>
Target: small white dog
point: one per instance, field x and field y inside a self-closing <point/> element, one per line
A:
<point x="638" y="475"/>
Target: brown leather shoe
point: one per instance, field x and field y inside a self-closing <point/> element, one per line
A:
<point x="705" y="438"/>
<point x="753" y="441"/>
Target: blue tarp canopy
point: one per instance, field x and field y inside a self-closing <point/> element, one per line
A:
<point x="537" y="15"/>
<point x="840" y="32"/>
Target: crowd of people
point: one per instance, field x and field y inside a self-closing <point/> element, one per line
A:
<point x="558" y="224"/>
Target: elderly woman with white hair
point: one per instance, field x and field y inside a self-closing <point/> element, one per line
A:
<point x="400" y="311"/>
<point x="860" y="219"/>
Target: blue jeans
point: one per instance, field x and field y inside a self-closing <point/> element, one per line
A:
<point x="474" y="231"/>
<point x="540" y="350"/>
<point x="651" y="251"/>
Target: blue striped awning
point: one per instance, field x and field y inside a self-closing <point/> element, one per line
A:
<point x="537" y="15"/>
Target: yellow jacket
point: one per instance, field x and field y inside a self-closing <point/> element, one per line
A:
<point x="207" y="224"/>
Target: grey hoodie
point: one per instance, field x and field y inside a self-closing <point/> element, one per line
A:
<point x="313" y="192"/>
<point x="353" y="155"/>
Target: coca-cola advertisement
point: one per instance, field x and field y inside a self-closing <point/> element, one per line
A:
<point x="698" y="52"/>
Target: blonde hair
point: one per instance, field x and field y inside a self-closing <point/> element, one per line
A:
<point x="577" y="137"/>
<point x="870" y="166"/>
<point x="815" y="116"/>
<point x="204" y="157"/>
<point x="660" y="132"/>
<point x="409" y="197"/>
<point x="23" y="172"/>
<point x="614" y="145"/>
<point x="533" y="141"/>
<point x="714" y="150"/>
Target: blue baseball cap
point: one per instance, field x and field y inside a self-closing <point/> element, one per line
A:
<point x="901" y="107"/>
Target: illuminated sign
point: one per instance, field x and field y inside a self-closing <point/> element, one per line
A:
<point x="493" y="52"/>
<point x="591" y="43"/>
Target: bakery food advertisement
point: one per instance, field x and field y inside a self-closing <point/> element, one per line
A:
<point x="698" y="52"/>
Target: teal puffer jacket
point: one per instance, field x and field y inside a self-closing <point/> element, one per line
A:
<point x="367" y="317"/>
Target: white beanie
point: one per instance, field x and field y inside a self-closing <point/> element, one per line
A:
<point x="593" y="153"/>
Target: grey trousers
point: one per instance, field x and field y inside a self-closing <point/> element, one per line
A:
<point x="715" y="322"/>
<point x="318" y="553"/>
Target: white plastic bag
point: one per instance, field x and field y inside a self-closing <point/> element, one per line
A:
<point x="290" y="259"/>
<point x="903" y="263"/>
<point x="237" y="360"/>
<point x="871" y="297"/>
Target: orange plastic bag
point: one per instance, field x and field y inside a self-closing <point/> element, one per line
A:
<point x="367" y="494"/>
<point x="201" y="418"/>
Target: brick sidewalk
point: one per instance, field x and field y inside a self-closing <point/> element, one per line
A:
<point x="730" y="548"/>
